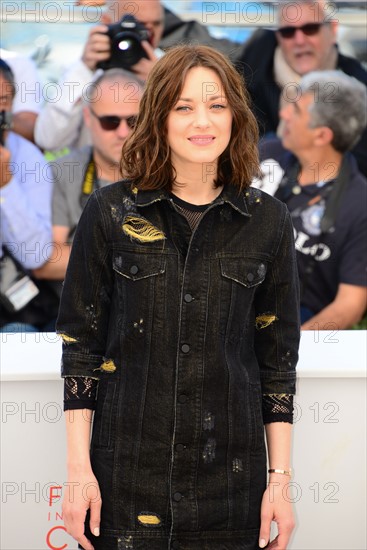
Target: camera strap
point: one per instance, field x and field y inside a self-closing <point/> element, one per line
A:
<point x="90" y="182"/>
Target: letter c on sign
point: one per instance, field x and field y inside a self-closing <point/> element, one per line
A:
<point x="49" y="543"/>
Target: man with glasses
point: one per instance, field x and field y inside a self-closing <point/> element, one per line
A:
<point x="274" y="62"/>
<point x="110" y="113"/>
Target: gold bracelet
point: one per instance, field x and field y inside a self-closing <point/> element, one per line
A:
<point x="284" y="472"/>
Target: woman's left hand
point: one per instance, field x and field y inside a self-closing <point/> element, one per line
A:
<point x="276" y="506"/>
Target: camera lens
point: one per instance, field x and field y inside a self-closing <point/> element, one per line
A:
<point x="126" y="49"/>
<point x="124" y="45"/>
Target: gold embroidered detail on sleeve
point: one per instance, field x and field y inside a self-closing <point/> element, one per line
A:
<point x="68" y="339"/>
<point x="264" y="320"/>
<point x="108" y="366"/>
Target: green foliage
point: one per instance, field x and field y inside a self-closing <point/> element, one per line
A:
<point x="362" y="325"/>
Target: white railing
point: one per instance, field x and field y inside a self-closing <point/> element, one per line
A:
<point x="329" y="447"/>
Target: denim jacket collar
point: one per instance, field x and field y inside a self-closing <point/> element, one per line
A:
<point x="229" y="195"/>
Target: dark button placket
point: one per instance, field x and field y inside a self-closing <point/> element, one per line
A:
<point x="189" y="379"/>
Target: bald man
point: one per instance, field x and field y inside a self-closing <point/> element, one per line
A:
<point x="109" y="112"/>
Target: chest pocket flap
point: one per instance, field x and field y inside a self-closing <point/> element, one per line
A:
<point x="248" y="272"/>
<point x="138" y="266"/>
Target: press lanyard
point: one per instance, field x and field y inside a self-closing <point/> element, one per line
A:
<point x="321" y="195"/>
<point x="90" y="182"/>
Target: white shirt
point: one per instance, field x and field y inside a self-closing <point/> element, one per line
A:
<point x="25" y="205"/>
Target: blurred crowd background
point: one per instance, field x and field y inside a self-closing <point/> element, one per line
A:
<point x="55" y="31"/>
<point x="66" y="102"/>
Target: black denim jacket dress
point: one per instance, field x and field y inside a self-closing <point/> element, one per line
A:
<point x="185" y="331"/>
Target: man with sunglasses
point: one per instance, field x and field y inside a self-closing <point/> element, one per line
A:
<point x="274" y="62"/>
<point x="110" y="113"/>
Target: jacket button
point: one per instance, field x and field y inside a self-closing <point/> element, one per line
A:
<point x="177" y="497"/>
<point x="188" y="298"/>
<point x="185" y="348"/>
<point x="250" y="277"/>
<point x="175" y="545"/>
<point x="180" y="447"/>
<point x="134" y="269"/>
<point x="182" y="398"/>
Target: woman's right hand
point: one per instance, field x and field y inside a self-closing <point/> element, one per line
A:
<point x="81" y="496"/>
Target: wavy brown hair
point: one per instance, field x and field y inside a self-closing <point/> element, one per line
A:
<point x="146" y="154"/>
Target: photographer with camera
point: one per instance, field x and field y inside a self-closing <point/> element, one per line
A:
<point x="126" y="40"/>
<point x="25" y="223"/>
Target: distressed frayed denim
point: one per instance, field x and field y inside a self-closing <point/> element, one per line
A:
<point x="185" y="332"/>
<point x="132" y="542"/>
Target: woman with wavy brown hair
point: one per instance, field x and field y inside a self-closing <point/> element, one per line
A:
<point x="180" y="323"/>
<point x="146" y="157"/>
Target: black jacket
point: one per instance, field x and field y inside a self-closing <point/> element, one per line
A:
<point x="166" y="320"/>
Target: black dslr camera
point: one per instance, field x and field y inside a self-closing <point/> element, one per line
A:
<point x="5" y="124"/>
<point x="126" y="49"/>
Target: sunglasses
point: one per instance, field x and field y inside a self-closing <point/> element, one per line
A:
<point x="309" y="29"/>
<point x="112" y="122"/>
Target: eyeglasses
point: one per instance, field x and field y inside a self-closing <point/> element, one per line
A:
<point x="309" y="29"/>
<point x="112" y="122"/>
